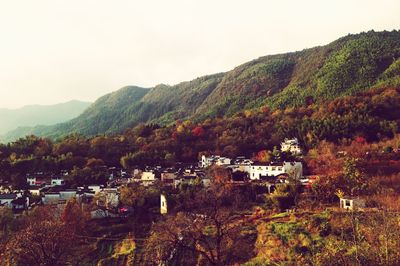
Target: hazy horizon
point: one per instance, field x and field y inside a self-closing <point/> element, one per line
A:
<point x="43" y="105"/>
<point x="56" y="51"/>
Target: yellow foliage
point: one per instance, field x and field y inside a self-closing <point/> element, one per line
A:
<point x="125" y="247"/>
<point x="339" y="193"/>
<point x="180" y="128"/>
<point x="248" y="113"/>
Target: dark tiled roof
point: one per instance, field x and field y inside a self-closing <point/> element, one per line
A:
<point x="8" y="196"/>
<point x="267" y="164"/>
<point x="19" y="201"/>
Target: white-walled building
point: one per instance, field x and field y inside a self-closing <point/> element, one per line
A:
<point x="349" y="203"/>
<point x="31" y="181"/>
<point x="51" y="198"/>
<point x="148" y="178"/>
<point x="261" y="170"/>
<point x="36" y="181"/>
<point x="6" y="199"/>
<point x="35" y="191"/>
<point x="95" y="188"/>
<point x="241" y="164"/>
<point x="57" y="181"/>
<point x="43" y="180"/>
<point x="214" y="159"/>
<point x="59" y="197"/>
<point x="168" y="178"/>
<point x="163" y="204"/>
<point x="292" y="146"/>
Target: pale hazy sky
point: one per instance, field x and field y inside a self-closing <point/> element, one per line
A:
<point x="52" y="51"/>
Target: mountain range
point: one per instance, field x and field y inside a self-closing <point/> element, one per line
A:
<point x="344" y="67"/>
<point x="22" y="119"/>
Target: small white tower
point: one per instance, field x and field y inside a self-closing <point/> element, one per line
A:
<point x="164" y="206"/>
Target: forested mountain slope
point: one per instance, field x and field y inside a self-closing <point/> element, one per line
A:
<point x="344" y="67"/>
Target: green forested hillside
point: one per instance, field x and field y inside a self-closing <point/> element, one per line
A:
<point x="344" y="67"/>
<point x="98" y="118"/>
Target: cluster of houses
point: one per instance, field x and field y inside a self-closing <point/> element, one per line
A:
<point x="45" y="188"/>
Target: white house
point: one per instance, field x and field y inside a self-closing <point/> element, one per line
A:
<point x="6" y="199"/>
<point x="31" y="181"/>
<point x="351" y="203"/>
<point x="148" y="178"/>
<point x="241" y="164"/>
<point x="168" y="177"/>
<point x="36" y="181"/>
<point x="59" y="197"/>
<point x="214" y="159"/>
<point x="95" y="188"/>
<point x="292" y="146"/>
<point x="57" y="181"/>
<point x="68" y="194"/>
<point x="51" y="198"/>
<point x="261" y="170"/>
<point x="35" y="191"/>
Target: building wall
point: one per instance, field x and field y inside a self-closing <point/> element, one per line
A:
<point x="35" y="192"/>
<point x="165" y="176"/>
<point x="50" y="198"/>
<point x="223" y="161"/>
<point x="163" y="204"/>
<point x="291" y="145"/>
<point x="57" y="182"/>
<point x="293" y="169"/>
<point x="351" y="204"/>
<point x="256" y="171"/>
<point x="208" y="161"/>
<point x="66" y="195"/>
<point x="95" y="188"/>
<point x="148" y="176"/>
<point x="6" y="202"/>
<point x="31" y="181"/>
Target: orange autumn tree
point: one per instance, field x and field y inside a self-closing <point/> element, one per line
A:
<point x="73" y="217"/>
<point x="263" y="156"/>
<point x="325" y="162"/>
<point x="44" y="240"/>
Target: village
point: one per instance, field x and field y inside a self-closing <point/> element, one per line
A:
<point x="52" y="188"/>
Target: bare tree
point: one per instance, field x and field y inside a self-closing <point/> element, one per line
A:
<point x="210" y="234"/>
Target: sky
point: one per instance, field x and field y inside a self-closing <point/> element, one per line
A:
<point x="53" y="51"/>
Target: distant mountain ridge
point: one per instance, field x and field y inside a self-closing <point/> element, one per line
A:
<point x="22" y="119"/>
<point x="344" y="67"/>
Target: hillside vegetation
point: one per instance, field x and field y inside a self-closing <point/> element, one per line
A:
<point x="344" y="67"/>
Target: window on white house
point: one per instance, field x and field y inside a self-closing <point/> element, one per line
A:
<point x="347" y="203"/>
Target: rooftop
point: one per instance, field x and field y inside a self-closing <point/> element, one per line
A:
<point x="8" y="196"/>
